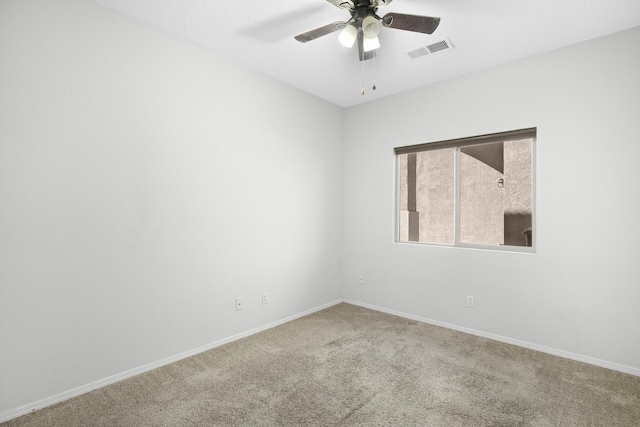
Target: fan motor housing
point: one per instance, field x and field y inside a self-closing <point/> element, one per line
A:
<point x="360" y="12"/>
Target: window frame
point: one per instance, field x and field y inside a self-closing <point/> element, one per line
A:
<point x="457" y="144"/>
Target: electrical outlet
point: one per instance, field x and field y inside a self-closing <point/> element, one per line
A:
<point x="361" y="279"/>
<point x="470" y="301"/>
<point x="239" y="304"/>
<point x="265" y="298"/>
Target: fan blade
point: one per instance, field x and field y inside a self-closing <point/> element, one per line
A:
<point x="319" y="32"/>
<point x="416" y="23"/>
<point x="378" y="3"/>
<point x="343" y="4"/>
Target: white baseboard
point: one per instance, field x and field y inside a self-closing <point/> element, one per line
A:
<point x="553" y="351"/>
<point x="23" y="410"/>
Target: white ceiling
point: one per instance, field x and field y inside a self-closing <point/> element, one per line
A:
<point x="259" y="34"/>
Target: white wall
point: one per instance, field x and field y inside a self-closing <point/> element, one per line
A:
<point x="578" y="295"/>
<point x="144" y="184"/>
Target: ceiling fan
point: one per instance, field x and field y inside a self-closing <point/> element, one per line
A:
<point x="365" y="25"/>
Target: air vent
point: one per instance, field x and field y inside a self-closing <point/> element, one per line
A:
<point x="433" y="48"/>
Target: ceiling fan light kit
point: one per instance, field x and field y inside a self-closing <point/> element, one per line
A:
<point x="348" y="35"/>
<point x="371" y="26"/>
<point x="370" y="44"/>
<point x="365" y="25"/>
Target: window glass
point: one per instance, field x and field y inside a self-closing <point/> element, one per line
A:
<point x="427" y="196"/>
<point x="470" y="192"/>
<point x="495" y="193"/>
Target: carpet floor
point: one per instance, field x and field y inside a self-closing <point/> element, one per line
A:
<point x="351" y="366"/>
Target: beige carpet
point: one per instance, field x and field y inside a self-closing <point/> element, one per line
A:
<point x="349" y="366"/>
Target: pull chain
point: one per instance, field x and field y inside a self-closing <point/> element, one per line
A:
<point x="375" y="55"/>
<point x="362" y="62"/>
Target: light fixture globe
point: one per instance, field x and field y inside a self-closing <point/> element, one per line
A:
<point x="371" y="26"/>
<point x="369" y="44"/>
<point x="348" y="35"/>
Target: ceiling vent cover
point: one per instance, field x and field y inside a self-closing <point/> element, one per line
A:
<point x="441" y="46"/>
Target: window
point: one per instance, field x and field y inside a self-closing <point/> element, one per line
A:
<point x="472" y="192"/>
